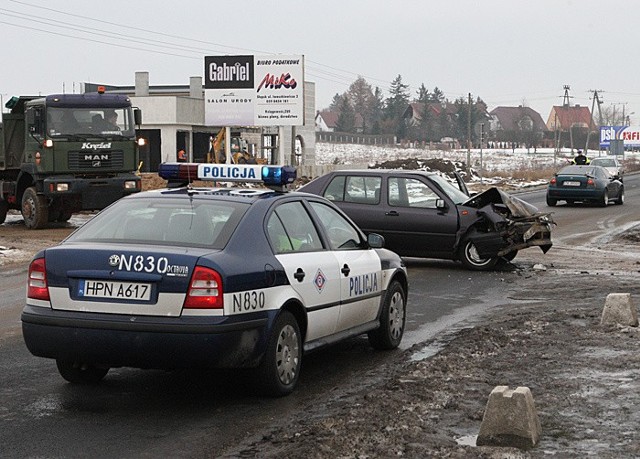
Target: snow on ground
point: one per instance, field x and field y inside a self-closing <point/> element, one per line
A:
<point x="484" y="164"/>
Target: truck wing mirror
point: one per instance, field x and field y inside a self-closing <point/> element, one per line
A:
<point x="137" y="116"/>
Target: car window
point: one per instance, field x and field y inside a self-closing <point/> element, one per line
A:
<point x="365" y="190"/>
<point x="354" y="188"/>
<point x="189" y="222"/>
<point x="335" y="190"/>
<point x="342" y="234"/>
<point x="409" y="192"/>
<point x="291" y="229"/>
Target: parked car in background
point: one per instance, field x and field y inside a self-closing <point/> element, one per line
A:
<point x="422" y="214"/>
<point x="589" y="183"/>
<point x="610" y="163"/>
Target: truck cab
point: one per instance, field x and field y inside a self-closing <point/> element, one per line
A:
<point x="65" y="153"/>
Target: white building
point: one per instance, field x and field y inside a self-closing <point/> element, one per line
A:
<point x="173" y="118"/>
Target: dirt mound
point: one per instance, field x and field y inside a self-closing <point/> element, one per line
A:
<point x="443" y="166"/>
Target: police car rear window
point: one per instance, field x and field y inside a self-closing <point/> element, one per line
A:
<point x="199" y="223"/>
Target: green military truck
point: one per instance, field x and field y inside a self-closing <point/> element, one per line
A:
<point x="64" y="153"/>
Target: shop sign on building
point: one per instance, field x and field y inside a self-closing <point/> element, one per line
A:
<point x="254" y="90"/>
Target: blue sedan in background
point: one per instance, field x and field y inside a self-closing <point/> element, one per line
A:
<point x="587" y="183"/>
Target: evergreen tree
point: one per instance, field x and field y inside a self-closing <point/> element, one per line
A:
<point x="347" y="117"/>
<point x="360" y="95"/>
<point x="376" y="110"/>
<point x="336" y="102"/>
<point x="395" y="106"/>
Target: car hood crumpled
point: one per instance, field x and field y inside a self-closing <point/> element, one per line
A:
<point x="516" y="206"/>
<point x="524" y="225"/>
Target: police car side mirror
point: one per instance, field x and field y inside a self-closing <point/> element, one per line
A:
<point x="375" y="240"/>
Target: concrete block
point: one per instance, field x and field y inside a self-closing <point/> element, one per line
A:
<point x="619" y="309"/>
<point x="510" y="419"/>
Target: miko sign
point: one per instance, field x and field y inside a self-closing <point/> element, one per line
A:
<point x="630" y="135"/>
<point x="254" y="90"/>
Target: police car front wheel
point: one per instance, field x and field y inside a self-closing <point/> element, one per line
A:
<point x="280" y="367"/>
<point x="392" y="319"/>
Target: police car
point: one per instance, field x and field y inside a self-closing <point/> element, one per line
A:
<point x="222" y="277"/>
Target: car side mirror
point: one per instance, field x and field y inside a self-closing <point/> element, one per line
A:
<point x="375" y="240"/>
<point x="440" y="204"/>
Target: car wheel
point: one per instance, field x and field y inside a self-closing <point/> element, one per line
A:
<point x="34" y="209"/>
<point x="604" y="200"/>
<point x="620" y="199"/>
<point x="392" y="319"/>
<point x="551" y="202"/>
<point x="469" y="257"/>
<point x="280" y="367"/>
<point x="78" y="373"/>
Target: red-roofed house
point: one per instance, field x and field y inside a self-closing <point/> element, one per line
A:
<point x="326" y="121"/>
<point x="565" y="117"/>
<point x="517" y="124"/>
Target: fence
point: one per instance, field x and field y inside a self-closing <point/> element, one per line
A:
<point x="362" y="139"/>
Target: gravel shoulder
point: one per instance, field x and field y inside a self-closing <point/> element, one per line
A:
<point x="547" y="337"/>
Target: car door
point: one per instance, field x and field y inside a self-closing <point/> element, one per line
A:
<point x="312" y="269"/>
<point x="415" y="223"/>
<point x="360" y="269"/>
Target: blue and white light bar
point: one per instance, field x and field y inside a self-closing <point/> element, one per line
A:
<point x="269" y="175"/>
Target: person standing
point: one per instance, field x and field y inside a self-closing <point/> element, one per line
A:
<point x="580" y="158"/>
<point x="182" y="155"/>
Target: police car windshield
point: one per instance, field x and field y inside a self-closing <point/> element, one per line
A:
<point x="183" y="222"/>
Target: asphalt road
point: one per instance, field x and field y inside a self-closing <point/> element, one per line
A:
<point x="136" y="413"/>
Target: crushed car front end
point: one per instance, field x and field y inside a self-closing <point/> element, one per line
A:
<point x="500" y="224"/>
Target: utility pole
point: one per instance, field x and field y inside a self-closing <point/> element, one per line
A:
<point x="469" y="139"/>
<point x="593" y="103"/>
<point x="481" y="142"/>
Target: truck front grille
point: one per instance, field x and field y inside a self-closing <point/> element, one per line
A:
<point x="85" y="160"/>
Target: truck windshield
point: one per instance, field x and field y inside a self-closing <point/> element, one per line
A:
<point x="90" y="121"/>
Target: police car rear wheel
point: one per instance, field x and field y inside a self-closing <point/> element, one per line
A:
<point x="78" y="373"/>
<point x="392" y="319"/>
<point x="280" y="367"/>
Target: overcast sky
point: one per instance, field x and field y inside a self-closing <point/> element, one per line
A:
<point x="508" y="52"/>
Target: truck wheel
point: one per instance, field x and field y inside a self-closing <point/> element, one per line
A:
<point x="4" y="208"/>
<point x="279" y="370"/>
<point x="34" y="209"/>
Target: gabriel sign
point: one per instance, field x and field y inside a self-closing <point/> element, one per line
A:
<point x="254" y="90"/>
<point x="228" y="72"/>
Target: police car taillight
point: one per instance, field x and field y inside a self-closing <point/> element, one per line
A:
<point x="271" y="176"/>
<point x="205" y="290"/>
<point x="37" y="287"/>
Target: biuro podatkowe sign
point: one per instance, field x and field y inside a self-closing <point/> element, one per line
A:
<point x="254" y="90"/>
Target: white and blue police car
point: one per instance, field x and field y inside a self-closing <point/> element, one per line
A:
<point x="222" y="277"/>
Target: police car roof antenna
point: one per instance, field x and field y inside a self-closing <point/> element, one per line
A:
<point x="190" y="191"/>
